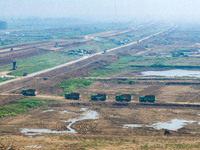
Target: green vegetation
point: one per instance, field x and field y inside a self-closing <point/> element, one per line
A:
<point x="21" y="106"/>
<point x="99" y="46"/>
<point x="131" y="62"/>
<point x="5" y="67"/>
<point x="145" y="146"/>
<point x="113" y="68"/>
<point x="133" y="93"/>
<point x="40" y="62"/>
<point x="31" y="32"/>
<point x="183" y="146"/>
<point x="73" y="84"/>
<point x="5" y="79"/>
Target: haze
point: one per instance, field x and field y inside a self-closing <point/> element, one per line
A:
<point x="103" y="9"/>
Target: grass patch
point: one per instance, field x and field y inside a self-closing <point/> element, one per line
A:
<point x="183" y="146"/>
<point x="73" y="84"/>
<point x="133" y="93"/>
<point x="100" y="46"/>
<point x="102" y="72"/>
<point x="41" y="62"/>
<point x="5" y="67"/>
<point x="5" y="79"/>
<point x="145" y="146"/>
<point x="132" y="62"/>
<point x="113" y="68"/>
<point x="21" y="106"/>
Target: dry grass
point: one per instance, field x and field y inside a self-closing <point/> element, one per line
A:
<point x="76" y="142"/>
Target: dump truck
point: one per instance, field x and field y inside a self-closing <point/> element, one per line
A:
<point x="147" y="98"/>
<point x="101" y="97"/>
<point x="123" y="97"/>
<point x="74" y="96"/>
<point x="28" y="92"/>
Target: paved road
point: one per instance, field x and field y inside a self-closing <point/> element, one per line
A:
<point x="81" y="59"/>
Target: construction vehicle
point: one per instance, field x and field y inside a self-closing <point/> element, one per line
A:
<point x="123" y="97"/>
<point x="101" y="97"/>
<point x="147" y="98"/>
<point x="25" y="74"/>
<point x="29" y="92"/>
<point x="74" y="96"/>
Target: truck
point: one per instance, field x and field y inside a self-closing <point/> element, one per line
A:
<point x="147" y="98"/>
<point x="123" y="97"/>
<point x="101" y="97"/>
<point x="28" y="92"/>
<point x="73" y="96"/>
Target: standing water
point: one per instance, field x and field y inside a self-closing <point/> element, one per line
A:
<point x="173" y="73"/>
<point x="87" y="114"/>
<point x="173" y="125"/>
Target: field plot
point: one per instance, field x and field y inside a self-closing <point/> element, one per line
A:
<point x="171" y="122"/>
<point x="30" y="59"/>
<point x="105" y="126"/>
<point x="46" y="33"/>
<point x="38" y="63"/>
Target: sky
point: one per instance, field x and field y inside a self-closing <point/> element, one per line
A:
<point x="102" y="9"/>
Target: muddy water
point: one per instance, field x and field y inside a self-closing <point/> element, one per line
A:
<point x="34" y="146"/>
<point x="50" y="110"/>
<point x="173" y="125"/>
<point x="34" y="132"/>
<point x="173" y="73"/>
<point x="132" y="125"/>
<point x="87" y="114"/>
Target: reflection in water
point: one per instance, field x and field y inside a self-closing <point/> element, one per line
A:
<point x="87" y="114"/>
<point x="132" y="125"/>
<point x="173" y="125"/>
<point x="173" y="73"/>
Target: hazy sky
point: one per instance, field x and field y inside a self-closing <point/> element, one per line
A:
<point x="102" y="9"/>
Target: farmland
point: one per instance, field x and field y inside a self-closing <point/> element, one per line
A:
<point x="43" y="123"/>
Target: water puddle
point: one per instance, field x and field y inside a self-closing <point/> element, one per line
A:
<point x="173" y="73"/>
<point x="48" y="110"/>
<point x="66" y="111"/>
<point x="132" y="125"/>
<point x="83" y="109"/>
<point x="33" y="146"/>
<point x="34" y="132"/>
<point x="87" y="114"/>
<point x="173" y="125"/>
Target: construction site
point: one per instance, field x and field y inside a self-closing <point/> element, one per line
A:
<point x="133" y="88"/>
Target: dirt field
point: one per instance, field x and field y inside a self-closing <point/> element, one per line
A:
<point x="86" y="124"/>
<point x="106" y="132"/>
